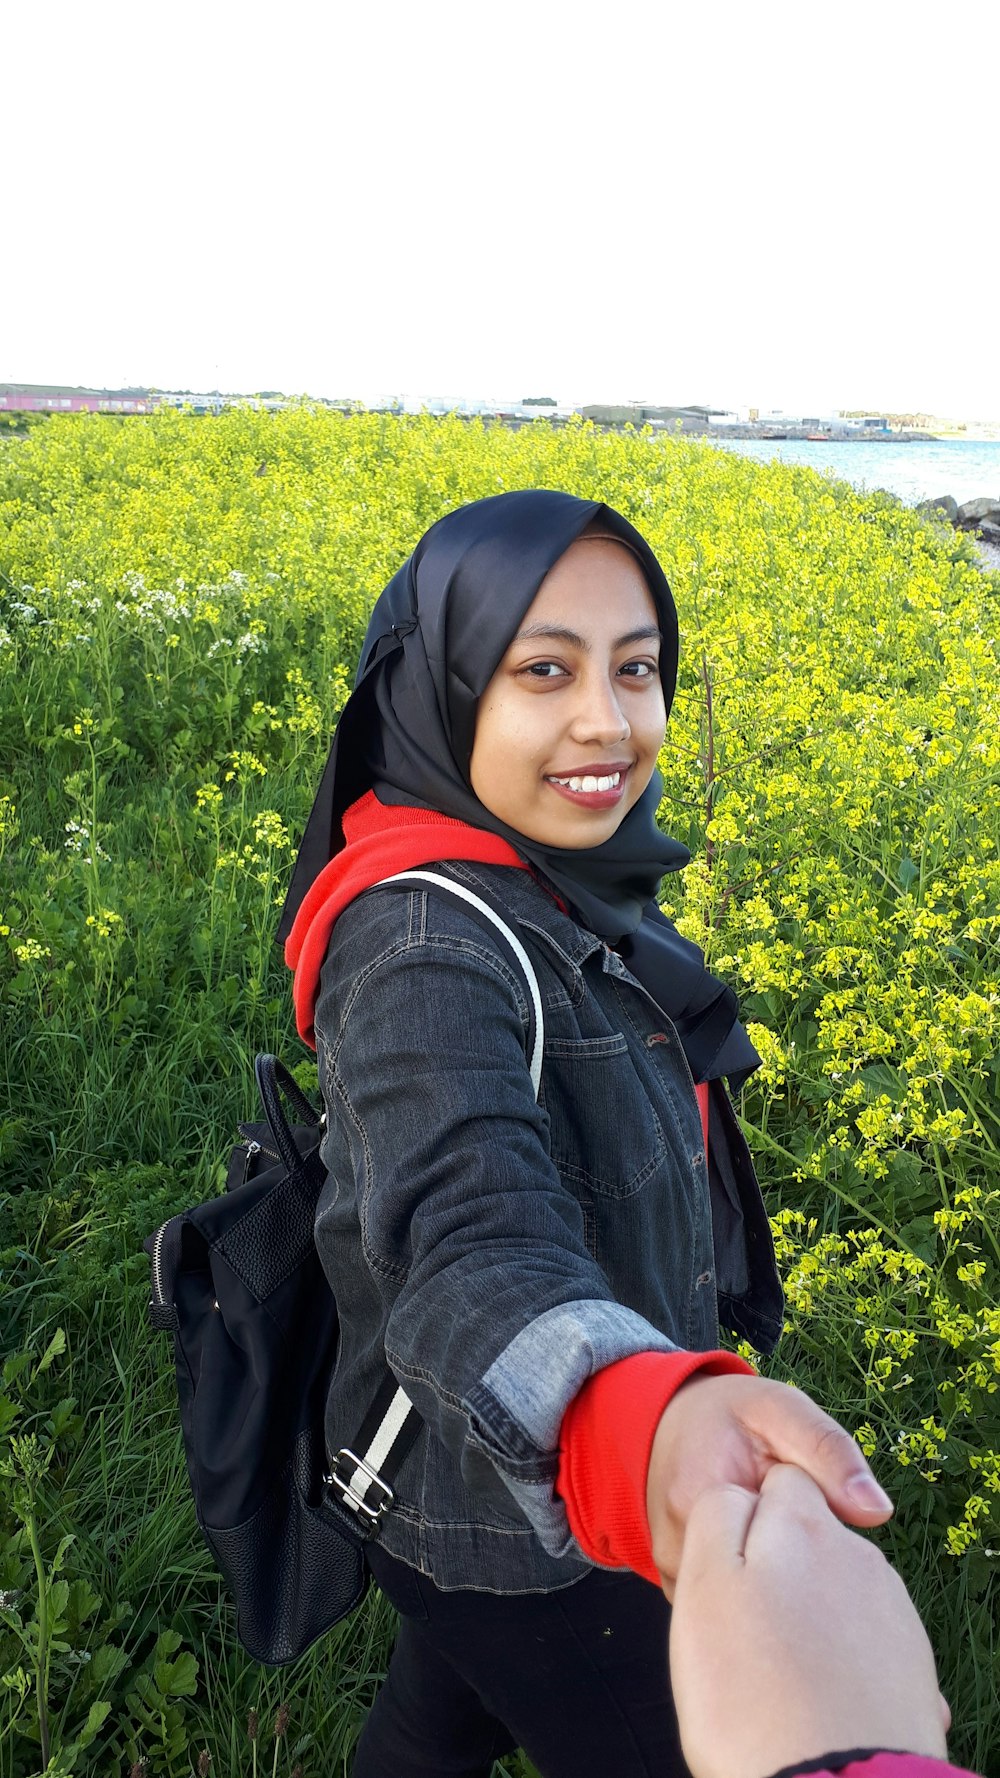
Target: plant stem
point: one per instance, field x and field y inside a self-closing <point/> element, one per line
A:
<point x="773" y="1147"/>
<point x="42" y="1660"/>
<point x="708" y="761"/>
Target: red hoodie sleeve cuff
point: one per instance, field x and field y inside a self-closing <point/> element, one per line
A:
<point x="604" y="1447"/>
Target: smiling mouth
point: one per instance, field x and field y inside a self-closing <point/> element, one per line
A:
<point x="588" y="784"/>
<point x="592" y="790"/>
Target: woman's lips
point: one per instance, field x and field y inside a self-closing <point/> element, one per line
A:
<point x="604" y="798"/>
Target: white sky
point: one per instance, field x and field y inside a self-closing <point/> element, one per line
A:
<point x="786" y="203"/>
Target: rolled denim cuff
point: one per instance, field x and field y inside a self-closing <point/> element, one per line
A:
<point x="516" y="1410"/>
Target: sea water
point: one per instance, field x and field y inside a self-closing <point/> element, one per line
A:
<point x="963" y="468"/>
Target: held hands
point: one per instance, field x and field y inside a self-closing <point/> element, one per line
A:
<point x="730" y="1431"/>
<point x="791" y="1637"/>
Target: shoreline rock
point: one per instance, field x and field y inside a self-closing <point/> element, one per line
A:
<point x="973" y="512"/>
<point x="980" y="516"/>
<point x="945" y="507"/>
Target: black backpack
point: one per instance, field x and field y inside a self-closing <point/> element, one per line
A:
<point x="238" y="1282"/>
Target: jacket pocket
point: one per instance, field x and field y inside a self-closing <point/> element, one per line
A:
<point x="605" y="1134"/>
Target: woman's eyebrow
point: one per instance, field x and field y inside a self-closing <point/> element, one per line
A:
<point x="645" y="633"/>
<point x="560" y="633"/>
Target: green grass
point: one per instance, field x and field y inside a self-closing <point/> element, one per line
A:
<point x="177" y="632"/>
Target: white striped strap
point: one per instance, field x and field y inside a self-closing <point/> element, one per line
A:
<point x="512" y="942"/>
<point x="362" y="1475"/>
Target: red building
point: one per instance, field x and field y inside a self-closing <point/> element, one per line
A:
<point x="45" y="398"/>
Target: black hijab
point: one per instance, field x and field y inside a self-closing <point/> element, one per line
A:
<point x="436" y="636"/>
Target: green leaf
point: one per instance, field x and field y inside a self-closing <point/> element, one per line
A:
<point x="908" y="872"/>
<point x="980" y="1574"/>
<point x="906" y="1170"/>
<point x="65" y="1760"/>
<point x="883" y="1079"/>
<point x="8" y="1413"/>
<point x="15" y="1366"/>
<point x="177" y="1678"/>
<point x="58" y="1600"/>
<point x="59" y="1558"/>
<point x="921" y="1237"/>
<point x="97" y="1715"/>
<point x="106" y="1664"/>
<point x="83" y="1602"/>
<point x="55" y="1348"/>
<point x="64" y="1421"/>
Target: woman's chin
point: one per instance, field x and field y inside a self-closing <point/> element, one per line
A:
<point x="572" y="830"/>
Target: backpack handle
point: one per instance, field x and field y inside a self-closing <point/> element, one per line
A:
<point x="273" y="1080"/>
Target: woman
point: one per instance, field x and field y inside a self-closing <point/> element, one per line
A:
<point x="542" y="1278"/>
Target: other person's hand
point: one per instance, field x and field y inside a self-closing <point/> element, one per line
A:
<point x="732" y="1429"/>
<point x="792" y="1637"/>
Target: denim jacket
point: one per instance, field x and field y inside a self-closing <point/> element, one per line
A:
<point x="497" y="1251"/>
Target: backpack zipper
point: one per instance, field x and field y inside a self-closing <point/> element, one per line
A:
<point x="253" y="1147"/>
<point x="156" y="1255"/>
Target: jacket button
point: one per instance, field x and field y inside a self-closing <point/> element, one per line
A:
<point x="706" y="1278"/>
<point x="656" y="1037"/>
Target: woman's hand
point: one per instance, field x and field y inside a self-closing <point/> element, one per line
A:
<point x="791" y="1637"/>
<point x="730" y="1430"/>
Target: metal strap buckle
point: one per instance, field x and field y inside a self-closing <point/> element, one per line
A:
<point x="347" y="1460"/>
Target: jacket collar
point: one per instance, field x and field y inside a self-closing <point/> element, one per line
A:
<point x="535" y="910"/>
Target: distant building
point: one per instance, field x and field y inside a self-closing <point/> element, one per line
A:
<point x="677" y="419"/>
<point x="45" y="398"/>
<point x="206" y="404"/>
<point x="683" y="419"/>
<point x="603" y="414"/>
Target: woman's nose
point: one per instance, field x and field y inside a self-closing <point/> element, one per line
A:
<point x="599" y="716"/>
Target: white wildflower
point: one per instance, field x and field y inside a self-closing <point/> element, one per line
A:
<point x="250" y="643"/>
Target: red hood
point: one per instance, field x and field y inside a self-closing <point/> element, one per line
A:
<point x="381" y="840"/>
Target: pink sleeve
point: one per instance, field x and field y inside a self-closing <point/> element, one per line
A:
<point x="875" y="1765"/>
<point x="701" y="1091"/>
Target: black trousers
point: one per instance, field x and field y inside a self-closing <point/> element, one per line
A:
<point x="577" y="1678"/>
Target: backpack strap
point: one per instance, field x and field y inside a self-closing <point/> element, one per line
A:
<point x="495" y="924"/>
<point x="362" y="1477"/>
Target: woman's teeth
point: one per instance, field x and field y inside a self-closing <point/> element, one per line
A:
<point x="588" y="785"/>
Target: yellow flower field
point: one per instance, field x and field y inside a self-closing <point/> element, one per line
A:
<point x="181" y="604"/>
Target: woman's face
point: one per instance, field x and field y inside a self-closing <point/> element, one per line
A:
<point x="569" y="727"/>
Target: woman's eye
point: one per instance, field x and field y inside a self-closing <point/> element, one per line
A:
<point x="639" y="669"/>
<point x="544" y="670"/>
